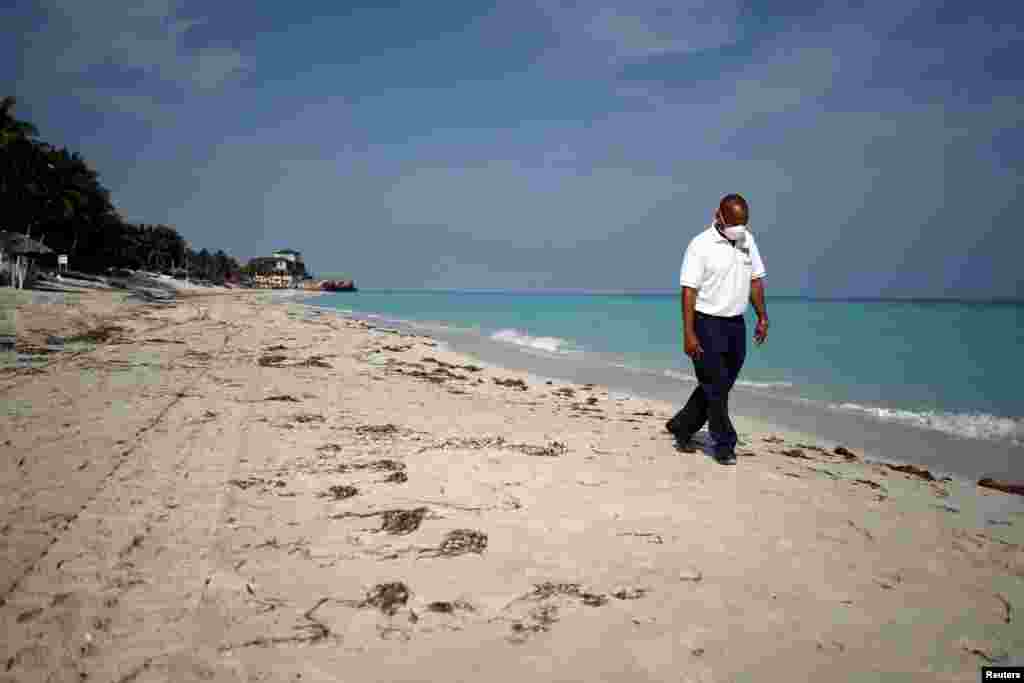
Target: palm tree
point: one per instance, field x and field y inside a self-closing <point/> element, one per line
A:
<point x="11" y="128"/>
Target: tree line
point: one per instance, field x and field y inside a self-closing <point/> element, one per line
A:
<point x="54" y="196"/>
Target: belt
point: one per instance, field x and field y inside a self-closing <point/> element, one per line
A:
<point x="719" y="317"/>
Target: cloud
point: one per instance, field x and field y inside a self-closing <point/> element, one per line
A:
<point x="649" y="29"/>
<point x="593" y="33"/>
<point x="125" y="50"/>
<point x="211" y="67"/>
<point x="554" y="205"/>
<point x="144" y="107"/>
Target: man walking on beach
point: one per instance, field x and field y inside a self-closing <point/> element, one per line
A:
<point x="721" y="271"/>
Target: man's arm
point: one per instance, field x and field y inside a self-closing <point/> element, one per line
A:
<point x="757" y="299"/>
<point x="691" y="275"/>
<point x="688" y="300"/>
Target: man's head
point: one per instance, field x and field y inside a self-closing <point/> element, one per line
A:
<point x="733" y="210"/>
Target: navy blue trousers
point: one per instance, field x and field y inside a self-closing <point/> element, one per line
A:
<point x="724" y="341"/>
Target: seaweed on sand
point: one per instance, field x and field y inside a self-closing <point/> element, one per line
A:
<point x="272" y="361"/>
<point x="913" y="470"/>
<point x="387" y="597"/>
<point x="339" y="492"/>
<point x="377" y="430"/>
<point x="542" y="619"/>
<point x="97" y="335"/>
<point x="845" y="453"/>
<point x="402" y="522"/>
<point x="448" y="607"/>
<point x="552" y="450"/>
<point x="459" y="542"/>
<point x="546" y="590"/>
<point x="397" y="522"/>
<point x="511" y="383"/>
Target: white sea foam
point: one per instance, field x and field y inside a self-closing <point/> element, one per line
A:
<point x="970" y="425"/>
<point x="740" y="382"/>
<point x="549" y="344"/>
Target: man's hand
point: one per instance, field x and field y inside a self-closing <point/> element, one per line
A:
<point x="692" y="347"/>
<point x="761" y="331"/>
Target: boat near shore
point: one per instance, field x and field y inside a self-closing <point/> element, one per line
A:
<point x="338" y="286"/>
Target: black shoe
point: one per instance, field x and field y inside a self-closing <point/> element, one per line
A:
<point x="684" y="445"/>
<point x="675" y="430"/>
<point x="726" y="458"/>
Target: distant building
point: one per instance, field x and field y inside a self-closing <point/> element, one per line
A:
<point x="271" y="272"/>
<point x="283" y="270"/>
<point x="289" y="255"/>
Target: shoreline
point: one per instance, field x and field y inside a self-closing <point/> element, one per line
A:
<point x="225" y="489"/>
<point x="881" y="440"/>
<point x="744" y="423"/>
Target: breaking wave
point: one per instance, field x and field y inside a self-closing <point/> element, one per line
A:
<point x="969" y="425"/>
<point x="549" y="344"/>
<point x="740" y="382"/>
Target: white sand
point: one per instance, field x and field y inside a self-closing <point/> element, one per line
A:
<point x="163" y="521"/>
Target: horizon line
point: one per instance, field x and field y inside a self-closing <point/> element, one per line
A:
<point x="673" y="292"/>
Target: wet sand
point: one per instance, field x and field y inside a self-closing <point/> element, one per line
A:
<point x="221" y="488"/>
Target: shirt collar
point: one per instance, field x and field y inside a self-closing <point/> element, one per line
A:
<point x="717" y="236"/>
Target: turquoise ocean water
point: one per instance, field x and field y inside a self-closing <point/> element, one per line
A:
<point x="946" y="366"/>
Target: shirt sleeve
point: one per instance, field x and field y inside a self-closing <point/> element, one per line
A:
<point x="692" y="272"/>
<point x="756" y="264"/>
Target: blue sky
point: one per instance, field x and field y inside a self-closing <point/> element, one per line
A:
<point x="548" y="143"/>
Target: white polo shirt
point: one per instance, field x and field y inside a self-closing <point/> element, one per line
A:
<point x="721" y="272"/>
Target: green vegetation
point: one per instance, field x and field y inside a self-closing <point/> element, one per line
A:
<point x="54" y="196"/>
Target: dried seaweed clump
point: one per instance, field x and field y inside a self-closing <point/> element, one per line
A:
<point x="541" y="620"/>
<point x="548" y="590"/>
<point x="340" y="492"/>
<point x="283" y="398"/>
<point x="98" y="335"/>
<point x="511" y="383"/>
<point x="543" y="591"/>
<point x="459" y="542"/>
<point x="401" y="522"/>
<point x="387" y="597"/>
<point x="914" y="471"/>
<point x="629" y="593"/>
<point x="447" y="607"/>
<point x="552" y="450"/>
<point x="387" y="465"/>
<point x="377" y="430"/>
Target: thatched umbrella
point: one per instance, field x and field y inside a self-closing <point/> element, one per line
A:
<point x="21" y="247"/>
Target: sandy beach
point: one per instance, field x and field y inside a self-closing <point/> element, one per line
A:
<point x="236" y="488"/>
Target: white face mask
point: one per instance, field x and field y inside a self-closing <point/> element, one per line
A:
<point x="735" y="232"/>
<point x="731" y="232"/>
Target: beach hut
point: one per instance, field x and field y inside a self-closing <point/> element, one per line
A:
<point x="16" y="253"/>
